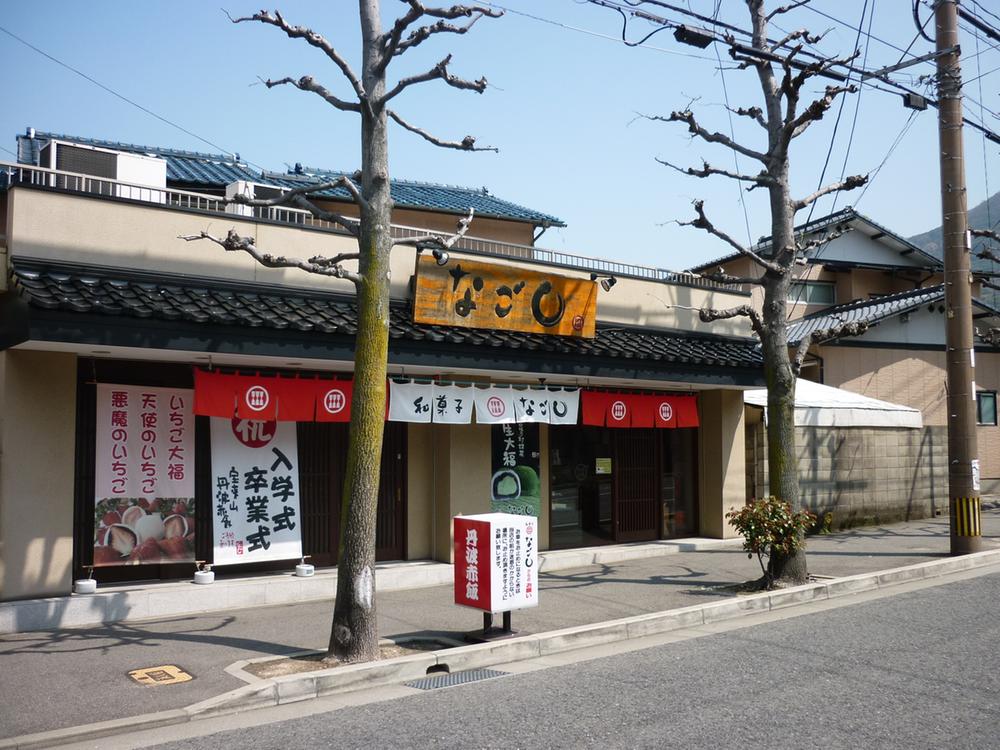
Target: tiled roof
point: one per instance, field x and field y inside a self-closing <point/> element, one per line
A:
<point x="120" y="294"/>
<point x="424" y="195"/>
<point x="870" y="311"/>
<point x="218" y="170"/>
<point x="183" y="167"/>
<point x="846" y="215"/>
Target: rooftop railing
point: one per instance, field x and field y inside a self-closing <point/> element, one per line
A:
<point x="12" y="174"/>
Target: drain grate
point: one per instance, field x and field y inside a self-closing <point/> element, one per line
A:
<point x="458" y="678"/>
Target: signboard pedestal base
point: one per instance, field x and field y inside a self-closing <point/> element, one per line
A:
<point x="491" y="632"/>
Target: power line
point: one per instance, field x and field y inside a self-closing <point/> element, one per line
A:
<point x="116" y="94"/>
<point x="979" y="6"/>
<point x="899" y="138"/>
<point x="732" y="133"/>
<point x="588" y="32"/>
<point x="853" y="28"/>
<point x="986" y="168"/>
<point x="836" y="123"/>
<point x="857" y="101"/>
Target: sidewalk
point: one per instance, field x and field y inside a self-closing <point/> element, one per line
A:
<point x="58" y="678"/>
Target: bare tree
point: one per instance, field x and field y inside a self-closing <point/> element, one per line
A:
<point x="783" y="72"/>
<point x="354" y="635"/>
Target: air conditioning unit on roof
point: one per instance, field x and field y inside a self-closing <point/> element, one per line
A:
<point x="119" y="173"/>
<point x="253" y="191"/>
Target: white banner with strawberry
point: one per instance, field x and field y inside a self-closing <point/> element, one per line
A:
<point x="144" y="475"/>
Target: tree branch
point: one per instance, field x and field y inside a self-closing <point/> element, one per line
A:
<point x="849" y="183"/>
<point x="296" y="197"/>
<point x="786" y="8"/>
<point x="301" y="32"/>
<point x="802" y="249"/>
<point x="702" y="222"/>
<point x="760" y="180"/>
<point x="793" y="36"/>
<point x="307" y="83"/>
<point x="984" y="252"/>
<point x="466" y="144"/>
<point x="987" y="254"/>
<point x="438" y="71"/>
<point x="432" y="240"/>
<point x="695" y="129"/>
<point x="708" y="314"/>
<point x="393" y="44"/>
<point x="854" y="328"/>
<point x="754" y="113"/>
<point x="721" y="277"/>
<point x="233" y="242"/>
<point x="796" y="126"/>
<point x="989" y="234"/>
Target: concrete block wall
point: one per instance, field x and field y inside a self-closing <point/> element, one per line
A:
<point x="863" y="475"/>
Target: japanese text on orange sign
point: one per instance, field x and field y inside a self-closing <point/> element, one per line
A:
<point x="472" y="294"/>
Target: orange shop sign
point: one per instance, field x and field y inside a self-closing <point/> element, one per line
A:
<point x="472" y="294"/>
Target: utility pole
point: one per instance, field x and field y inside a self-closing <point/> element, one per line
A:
<point x="963" y="462"/>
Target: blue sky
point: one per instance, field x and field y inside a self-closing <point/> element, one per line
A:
<point x="562" y="106"/>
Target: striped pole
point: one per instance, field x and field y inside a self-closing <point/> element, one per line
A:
<point x="965" y="517"/>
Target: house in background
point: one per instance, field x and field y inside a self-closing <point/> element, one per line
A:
<point x="99" y="295"/>
<point x="867" y="273"/>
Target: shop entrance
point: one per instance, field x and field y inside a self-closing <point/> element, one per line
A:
<point x="322" y="456"/>
<point x="621" y="485"/>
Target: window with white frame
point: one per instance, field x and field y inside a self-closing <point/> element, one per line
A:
<point x="813" y="292"/>
<point x="986" y="407"/>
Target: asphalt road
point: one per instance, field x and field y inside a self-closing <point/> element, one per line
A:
<point x="915" y="670"/>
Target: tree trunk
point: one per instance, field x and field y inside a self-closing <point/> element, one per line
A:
<point x="354" y="636"/>
<point x="778" y="371"/>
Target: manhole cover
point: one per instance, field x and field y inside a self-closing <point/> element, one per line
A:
<point x="168" y="674"/>
<point x="458" y="678"/>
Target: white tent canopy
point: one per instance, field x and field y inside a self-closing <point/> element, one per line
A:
<point x="822" y="406"/>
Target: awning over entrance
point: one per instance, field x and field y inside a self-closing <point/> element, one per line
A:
<point x="818" y="405"/>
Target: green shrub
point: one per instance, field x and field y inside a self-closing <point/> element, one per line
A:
<point x="770" y="526"/>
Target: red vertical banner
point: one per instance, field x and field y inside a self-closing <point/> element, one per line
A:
<point x="256" y="398"/>
<point x="620" y="409"/>
<point x="214" y="394"/>
<point x="664" y="411"/>
<point x="593" y="406"/>
<point x="473" y="563"/>
<point x="144" y="475"/>
<point x="604" y="409"/>
<point x="687" y="411"/>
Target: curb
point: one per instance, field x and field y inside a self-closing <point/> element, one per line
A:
<point x="292" y="688"/>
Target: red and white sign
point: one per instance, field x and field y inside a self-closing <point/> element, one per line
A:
<point x="604" y="409"/>
<point x="271" y="398"/>
<point x="496" y="561"/>
<point x="495" y="405"/>
<point x="618" y="411"/>
<point x="333" y="400"/>
<point x="666" y="411"/>
<point x="255" y="491"/>
<point x="144" y="475"/>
